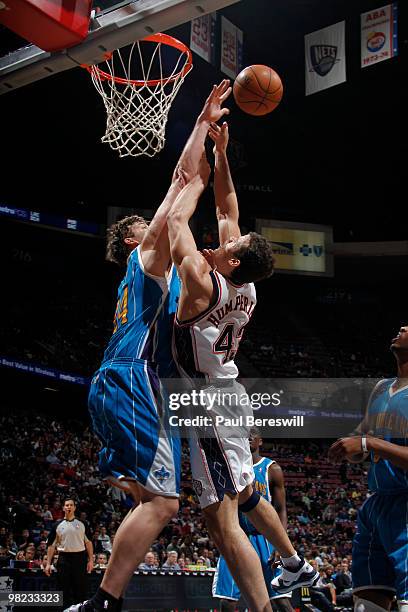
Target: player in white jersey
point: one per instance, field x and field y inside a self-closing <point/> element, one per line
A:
<point x="206" y="345"/>
<point x="216" y="302"/>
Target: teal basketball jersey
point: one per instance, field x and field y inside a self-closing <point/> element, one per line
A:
<point x="141" y="297"/>
<point x="388" y="419"/>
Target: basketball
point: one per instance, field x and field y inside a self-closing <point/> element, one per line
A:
<point x="258" y="90"/>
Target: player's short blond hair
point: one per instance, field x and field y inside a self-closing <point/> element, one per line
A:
<point x="116" y="250"/>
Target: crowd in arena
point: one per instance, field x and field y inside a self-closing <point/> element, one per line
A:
<point x="58" y="459"/>
<point x="295" y="342"/>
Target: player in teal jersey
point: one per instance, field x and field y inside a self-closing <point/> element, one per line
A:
<point x="380" y="547"/>
<point x="270" y="484"/>
<point x="125" y="399"/>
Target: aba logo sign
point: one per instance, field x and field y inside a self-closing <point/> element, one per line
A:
<point x="161" y="474"/>
<point x="375" y="41"/>
<point x="323" y="58"/>
<point x="198" y="487"/>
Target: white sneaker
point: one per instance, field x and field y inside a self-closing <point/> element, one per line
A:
<point x="290" y="579"/>
<point x="85" y="606"/>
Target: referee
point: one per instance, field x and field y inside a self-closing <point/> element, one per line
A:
<point x="71" y="539"/>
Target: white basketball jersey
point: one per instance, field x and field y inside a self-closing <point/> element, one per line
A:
<point x="205" y="347"/>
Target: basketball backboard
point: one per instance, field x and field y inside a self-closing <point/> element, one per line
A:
<point x="114" y="24"/>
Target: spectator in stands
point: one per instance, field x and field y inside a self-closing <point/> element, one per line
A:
<point x="10" y="544"/>
<point x="56" y="511"/>
<point x="343" y="583"/>
<point x="320" y="594"/>
<point x="173" y="545"/>
<point x="150" y="563"/>
<point x="343" y="577"/>
<point x="205" y="556"/>
<point x="31" y="556"/>
<point x="41" y="548"/>
<point x="23" y="540"/>
<point x="4" y="556"/>
<point x="44" y="561"/>
<point x="105" y="540"/>
<point x="171" y="562"/>
<point x="101" y="561"/>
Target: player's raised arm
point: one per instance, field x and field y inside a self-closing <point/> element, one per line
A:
<point x="192" y="267"/>
<point x="226" y="201"/>
<point x="182" y="242"/>
<point x="212" y="111"/>
<point x="155" y="247"/>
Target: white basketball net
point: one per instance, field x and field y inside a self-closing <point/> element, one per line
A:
<point x="137" y="111"/>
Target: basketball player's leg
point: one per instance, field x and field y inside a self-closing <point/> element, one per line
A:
<point x="220" y="469"/>
<point x="138" y="456"/>
<point x="379" y="559"/>
<point x="265" y="552"/>
<point x="135" y="536"/>
<point x="296" y="572"/>
<point x="242" y="560"/>
<point x="265" y="519"/>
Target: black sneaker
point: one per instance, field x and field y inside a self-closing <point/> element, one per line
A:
<point x="289" y="580"/>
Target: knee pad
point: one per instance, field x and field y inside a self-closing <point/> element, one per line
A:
<point x="365" y="605"/>
<point x="403" y="606"/>
<point x="250" y="503"/>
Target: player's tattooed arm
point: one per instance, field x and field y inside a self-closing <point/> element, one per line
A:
<point x="226" y="201"/>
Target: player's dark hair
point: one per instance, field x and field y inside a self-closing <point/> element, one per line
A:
<point x="70" y="499"/>
<point x="116" y="250"/>
<point x="256" y="260"/>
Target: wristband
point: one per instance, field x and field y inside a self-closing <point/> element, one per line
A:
<point x="364" y="444"/>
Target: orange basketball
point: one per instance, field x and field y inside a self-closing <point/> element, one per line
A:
<point x="258" y="89"/>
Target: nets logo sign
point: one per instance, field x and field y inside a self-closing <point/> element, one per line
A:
<point x="299" y="248"/>
<point x="323" y="58"/>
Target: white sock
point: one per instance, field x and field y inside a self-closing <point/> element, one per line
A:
<point x="291" y="562"/>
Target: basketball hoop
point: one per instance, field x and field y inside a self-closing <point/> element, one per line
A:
<point x="137" y="108"/>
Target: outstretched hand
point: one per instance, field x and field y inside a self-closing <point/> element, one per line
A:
<point x="344" y="448"/>
<point x="212" y="110"/>
<point x="220" y="137"/>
